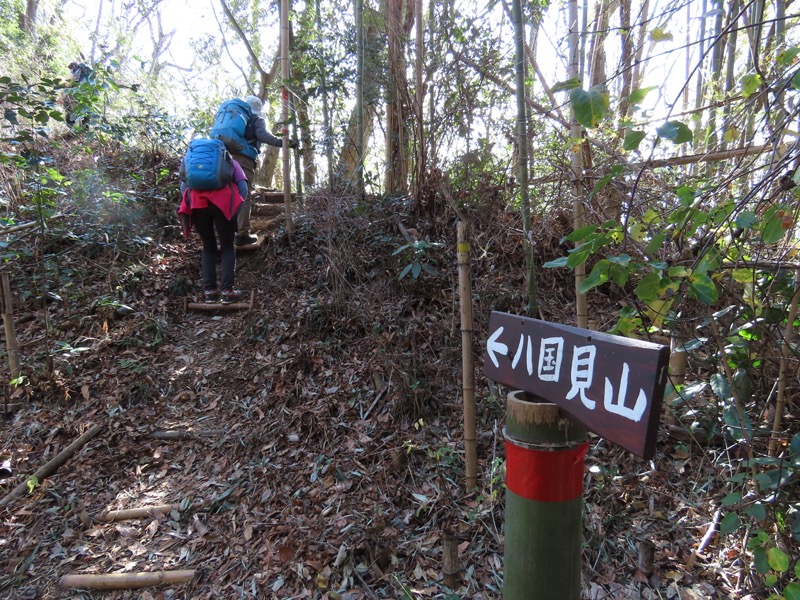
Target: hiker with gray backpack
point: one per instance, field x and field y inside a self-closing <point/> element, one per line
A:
<point x="213" y="191"/>
<point x="240" y="125"/>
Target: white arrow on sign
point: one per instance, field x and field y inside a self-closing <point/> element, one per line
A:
<point x="493" y="346"/>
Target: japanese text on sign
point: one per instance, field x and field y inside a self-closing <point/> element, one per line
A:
<point x="603" y="380"/>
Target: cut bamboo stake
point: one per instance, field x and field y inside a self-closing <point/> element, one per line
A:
<point x="12" y="344"/>
<point x="468" y="368"/>
<point x="780" y="401"/>
<point x="51" y="467"/>
<point x="450" y="568"/>
<point x="124" y="581"/>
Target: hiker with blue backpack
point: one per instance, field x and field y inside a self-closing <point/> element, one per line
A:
<point x="213" y="191"/>
<point x="242" y="128"/>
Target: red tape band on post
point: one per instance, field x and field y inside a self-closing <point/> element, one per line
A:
<point x="545" y="475"/>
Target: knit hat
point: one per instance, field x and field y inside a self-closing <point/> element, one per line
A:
<point x="255" y="104"/>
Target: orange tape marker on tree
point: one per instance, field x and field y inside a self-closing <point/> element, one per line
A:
<point x="545" y="475"/>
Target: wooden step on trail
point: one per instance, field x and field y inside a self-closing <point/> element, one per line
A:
<point x="214" y="306"/>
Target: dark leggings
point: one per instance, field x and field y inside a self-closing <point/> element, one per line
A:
<point x="206" y="220"/>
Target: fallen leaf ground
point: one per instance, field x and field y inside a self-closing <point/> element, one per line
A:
<point x="322" y="450"/>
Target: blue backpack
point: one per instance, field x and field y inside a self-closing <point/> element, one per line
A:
<point x="207" y="165"/>
<point x="230" y="125"/>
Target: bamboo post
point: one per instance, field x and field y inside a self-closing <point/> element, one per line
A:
<point x="545" y="452"/>
<point x="788" y="335"/>
<point x="125" y="581"/>
<point x="678" y="361"/>
<point x="12" y="344"/>
<point x="450" y="566"/>
<point x="468" y="368"/>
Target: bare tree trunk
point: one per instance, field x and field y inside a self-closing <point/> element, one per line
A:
<point x="360" y="138"/>
<point x="626" y="64"/>
<point x="326" y="110"/>
<point x="27" y="19"/>
<point x="420" y="166"/>
<point x="521" y="73"/>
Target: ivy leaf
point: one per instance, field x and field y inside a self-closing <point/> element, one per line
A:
<point x="647" y="290"/>
<point x="746" y="219"/>
<point x="598" y="276"/>
<point x="760" y="560"/>
<point x="777" y="220"/>
<point x="659" y="35"/>
<point x="569" y="84"/>
<point x="731" y="134"/>
<point x="750" y="84"/>
<point x="792" y="591"/>
<point x="675" y="131"/>
<point x="795" y="82"/>
<point x="702" y="288"/>
<point x="778" y="560"/>
<point x="787" y="57"/>
<point x="580" y="234"/>
<point x="590" y="107"/>
<point x="632" y="140"/>
<point x="729" y="523"/>
<point x="638" y="95"/>
<point x="757" y="511"/>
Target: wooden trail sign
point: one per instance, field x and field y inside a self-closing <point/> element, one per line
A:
<point x="613" y="385"/>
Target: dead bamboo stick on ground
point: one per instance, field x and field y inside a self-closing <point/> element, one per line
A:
<point x="138" y="513"/>
<point x="187" y="435"/>
<point x="220" y="306"/>
<point x="124" y="581"/>
<point x="52" y="466"/>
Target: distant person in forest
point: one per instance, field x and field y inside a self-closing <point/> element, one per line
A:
<point x="209" y="211"/>
<point x="246" y="154"/>
<point x="79" y="73"/>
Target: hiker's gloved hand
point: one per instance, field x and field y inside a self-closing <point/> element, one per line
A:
<point x="293" y="144"/>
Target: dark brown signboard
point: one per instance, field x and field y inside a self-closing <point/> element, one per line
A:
<point x="612" y="384"/>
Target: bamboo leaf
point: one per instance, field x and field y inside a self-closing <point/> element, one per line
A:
<point x="561" y="261"/>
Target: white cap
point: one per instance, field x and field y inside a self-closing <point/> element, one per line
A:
<point x="255" y="104"/>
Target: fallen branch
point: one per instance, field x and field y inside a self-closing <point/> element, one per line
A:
<point x="123" y="581"/>
<point x="51" y="467"/>
<point x="712" y="529"/>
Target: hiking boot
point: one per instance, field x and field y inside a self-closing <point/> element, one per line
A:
<point x="229" y="296"/>
<point x="245" y="240"/>
<point x="211" y="296"/>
